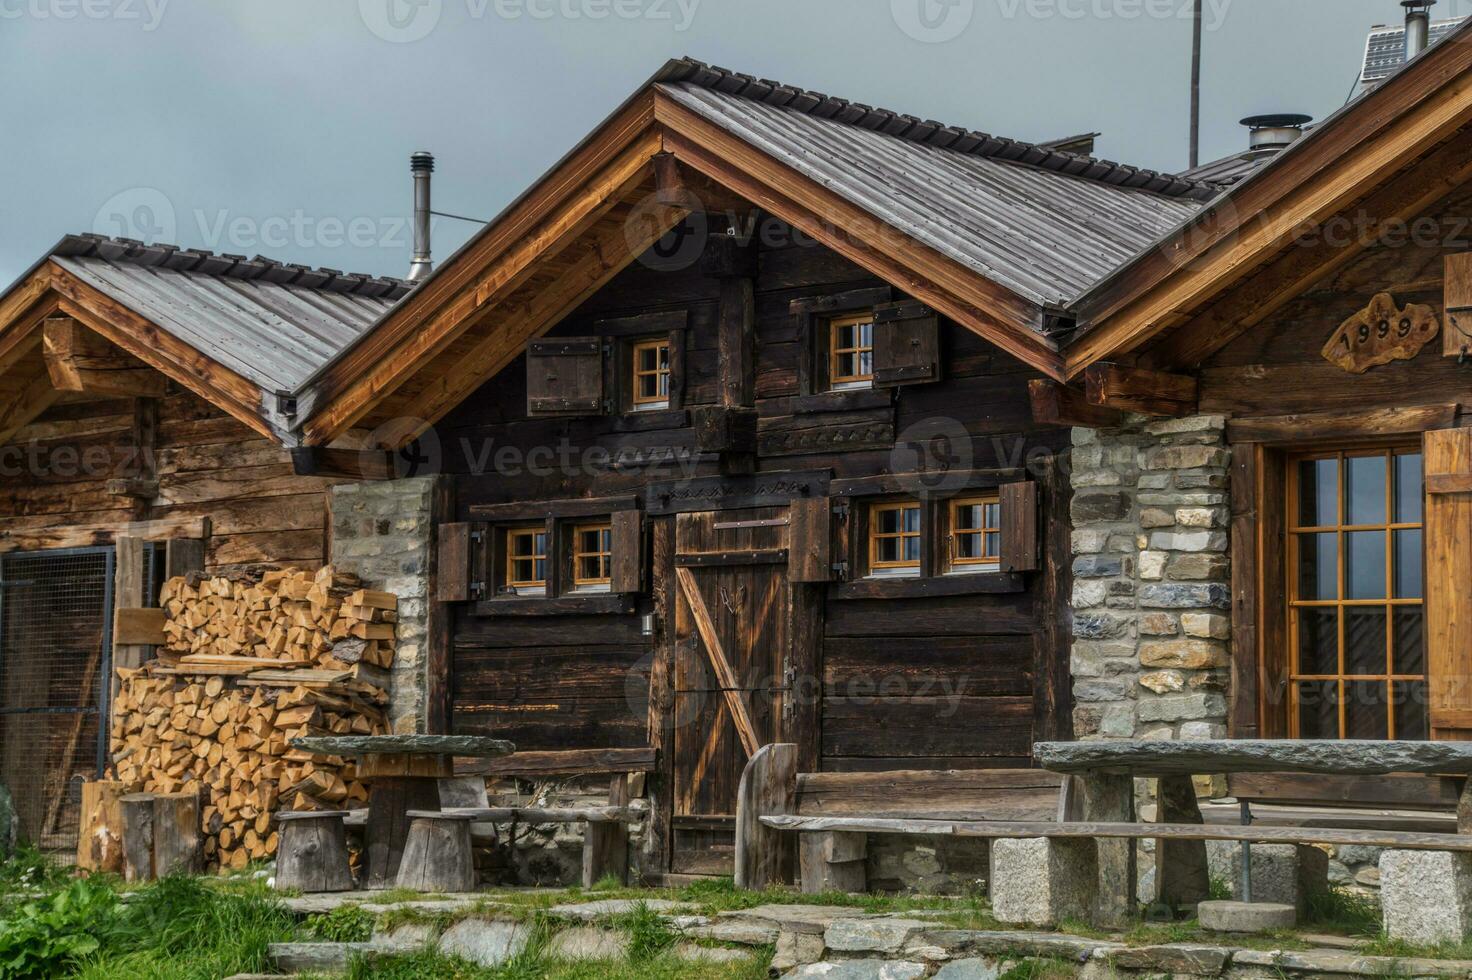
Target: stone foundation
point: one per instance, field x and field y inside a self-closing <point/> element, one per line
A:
<point x="383" y="532"/>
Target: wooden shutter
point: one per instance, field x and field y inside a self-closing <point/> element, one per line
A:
<point x="906" y="344"/>
<point x="1447" y="458"/>
<point x="452" y="572"/>
<point x="627" y="574"/>
<point x="564" y="376"/>
<point x="810" y="553"/>
<point x="1019" y="526"/>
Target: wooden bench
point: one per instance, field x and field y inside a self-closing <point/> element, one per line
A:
<point x="606" y="828"/>
<point x="835" y="811"/>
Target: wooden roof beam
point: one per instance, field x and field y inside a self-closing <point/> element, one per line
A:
<point x="23" y="403"/>
<point x="1127" y="389"/>
<point x="79" y="360"/>
<point x="1055" y="403"/>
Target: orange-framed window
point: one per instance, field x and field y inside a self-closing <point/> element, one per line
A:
<point x="592" y="555"/>
<point x="1356" y="617"/>
<point x="851" y="351"/>
<point x="975" y="533"/>
<point x="651" y="374"/>
<point x="526" y="558"/>
<point x="894" y="537"/>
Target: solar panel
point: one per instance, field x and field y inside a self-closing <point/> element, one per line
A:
<point x="1385" y="51"/>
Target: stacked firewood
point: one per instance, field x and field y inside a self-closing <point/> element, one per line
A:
<point x="248" y="665"/>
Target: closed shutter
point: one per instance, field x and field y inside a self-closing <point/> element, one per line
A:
<point x="627" y="544"/>
<point x="564" y="376"/>
<point x="1447" y="458"/>
<point x="1019" y="502"/>
<point x="810" y="555"/>
<point x="906" y="344"/>
<point x="452" y="571"/>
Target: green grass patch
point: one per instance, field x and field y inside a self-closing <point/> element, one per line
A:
<point x="1040" y="968"/>
<point x="344" y="924"/>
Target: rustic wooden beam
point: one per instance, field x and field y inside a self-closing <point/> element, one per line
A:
<point x="570" y="762"/>
<point x="342" y="464"/>
<point x="92" y="535"/>
<point x="1055" y="403"/>
<point x="79" y="360"/>
<point x="1139" y="390"/>
<point x="24" y="404"/>
<point x="1411" y="420"/>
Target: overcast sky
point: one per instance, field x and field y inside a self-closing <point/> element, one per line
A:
<point x="283" y="127"/>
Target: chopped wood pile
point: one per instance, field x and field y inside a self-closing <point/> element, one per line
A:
<point x="249" y="664"/>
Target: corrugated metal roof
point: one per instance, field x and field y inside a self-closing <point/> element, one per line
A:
<point x="273" y="323"/>
<point x="1385" y="50"/>
<point x="1045" y="234"/>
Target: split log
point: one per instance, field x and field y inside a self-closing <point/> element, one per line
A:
<point x="437" y="854"/>
<point x="314" y="852"/>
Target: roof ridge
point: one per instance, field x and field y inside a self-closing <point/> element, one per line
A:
<point x="226" y="265"/>
<point x="929" y="132"/>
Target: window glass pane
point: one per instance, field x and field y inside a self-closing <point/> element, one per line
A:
<point x="1364" y="640"/>
<point x="541" y="572"/>
<point x="1318" y="709"/>
<point x="648" y="358"/>
<point x="1408" y="564"/>
<point x="887" y="549"/>
<point x="866" y="363"/>
<point x="866" y="335"/>
<point x="844" y="337"/>
<point x="968" y="516"/>
<point x="1408" y="488"/>
<point x="912" y="519"/>
<point x="1318" y="641"/>
<point x="993" y="543"/>
<point x="1365" y="714"/>
<point x="1409" y="653"/>
<point x="1364" y="565"/>
<point x="845" y="366"/>
<point x="1364" y="490"/>
<point x="1410" y="709"/>
<point x="968" y="546"/>
<point x="1318" y="566"/>
<point x="993" y="515"/>
<point x="1318" y="484"/>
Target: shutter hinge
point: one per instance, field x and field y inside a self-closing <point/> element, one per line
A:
<point x="840" y="511"/>
<point x="477" y="591"/>
<point x="477" y="536"/>
<point x="839" y="568"/>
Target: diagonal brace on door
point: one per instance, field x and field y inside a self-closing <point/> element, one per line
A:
<point x="706" y="627"/>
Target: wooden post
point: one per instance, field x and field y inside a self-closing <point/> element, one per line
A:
<point x="1110" y="798"/>
<point x="606" y="844"/>
<point x="137" y="810"/>
<point x="833" y="861"/>
<point x="313" y="855"/>
<point x="1181" y="874"/>
<point x="1464" y="808"/>
<point x="768" y="787"/>
<point x="127" y="594"/>
<point x="177" y="843"/>
<point x="100" y="840"/>
<point x="437" y="854"/>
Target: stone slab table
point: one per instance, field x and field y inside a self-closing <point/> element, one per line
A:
<point x="1103" y="791"/>
<point x="403" y="774"/>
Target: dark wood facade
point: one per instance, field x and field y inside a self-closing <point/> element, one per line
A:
<point x="751" y="491"/>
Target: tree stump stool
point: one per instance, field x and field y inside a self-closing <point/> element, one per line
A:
<point x="313" y="855"/>
<point x="437" y="853"/>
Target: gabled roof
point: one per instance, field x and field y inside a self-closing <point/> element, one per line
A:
<point x="237" y="330"/>
<point x="992" y="232"/>
<point x="1388" y="155"/>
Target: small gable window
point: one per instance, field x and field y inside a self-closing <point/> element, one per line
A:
<point x="651" y="375"/>
<point x="975" y="541"/>
<point x="851" y="351"/>
<point x="592" y="557"/>
<point x="526" y="560"/>
<point x="894" y="538"/>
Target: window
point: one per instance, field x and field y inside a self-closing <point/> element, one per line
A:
<point x="975" y="541"/>
<point x="894" y="538"/>
<point x="651" y="375"/>
<point x="592" y="556"/>
<point x="526" y="559"/>
<point x="1356" y="626"/>
<point x="851" y="351"/>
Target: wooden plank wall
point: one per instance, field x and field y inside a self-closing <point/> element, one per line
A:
<point x="946" y="682"/>
<point x="56" y="476"/>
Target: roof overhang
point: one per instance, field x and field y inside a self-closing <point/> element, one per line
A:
<point x="578" y="227"/>
<point x="1391" y="155"/>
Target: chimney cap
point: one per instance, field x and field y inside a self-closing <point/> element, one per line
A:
<point x="421" y="160"/>
<point x="1278" y="120"/>
<point x="1414" y="5"/>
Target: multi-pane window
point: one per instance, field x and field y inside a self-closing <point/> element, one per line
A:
<point x="975" y="533"/>
<point x="651" y="374"/>
<point x="894" y="537"/>
<point x="592" y="555"/>
<point x="1356" y="621"/>
<point x="526" y="558"/>
<point x="851" y="351"/>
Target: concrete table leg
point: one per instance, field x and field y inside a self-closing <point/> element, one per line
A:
<point x="1110" y="798"/>
<point x="1181" y="875"/>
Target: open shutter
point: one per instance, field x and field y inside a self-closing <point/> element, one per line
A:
<point x="564" y="376"/>
<point x="810" y="554"/>
<point x="1019" y="526"/>
<point x="452" y="572"/>
<point x="906" y="344"/>
<point x="1447" y="458"/>
<point x="627" y="574"/>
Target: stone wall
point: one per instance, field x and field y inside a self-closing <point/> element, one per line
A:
<point x="383" y="532"/>
<point x="1151" y="593"/>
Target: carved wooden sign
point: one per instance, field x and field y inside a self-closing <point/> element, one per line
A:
<point x="1381" y="333"/>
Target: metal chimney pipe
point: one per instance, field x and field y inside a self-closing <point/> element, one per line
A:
<point x="1418" y="25"/>
<point x="1275" y="130"/>
<point x="421" y="165"/>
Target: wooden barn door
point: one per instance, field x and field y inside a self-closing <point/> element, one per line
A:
<point x="733" y="618"/>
